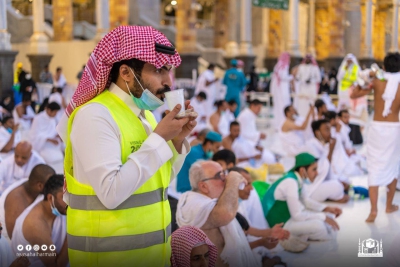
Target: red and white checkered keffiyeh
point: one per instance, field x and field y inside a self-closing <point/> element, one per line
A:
<point x="124" y="42"/>
<point x="184" y="240"/>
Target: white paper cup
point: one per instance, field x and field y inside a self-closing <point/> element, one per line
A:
<point x="174" y="98"/>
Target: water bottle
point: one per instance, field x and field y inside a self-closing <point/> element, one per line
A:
<point x="379" y="73"/>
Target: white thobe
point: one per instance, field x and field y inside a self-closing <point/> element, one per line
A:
<point x="25" y="122"/>
<point x="58" y="98"/>
<point x="200" y="108"/>
<point x="43" y="128"/>
<point x="223" y="125"/>
<point x="210" y="90"/>
<point x="61" y="81"/>
<point x="327" y="184"/>
<point x="10" y="172"/>
<point x="4" y="138"/>
<point x="307" y="218"/>
<point x="252" y="210"/>
<point x="244" y="149"/>
<point x="247" y="120"/>
<point x="281" y="95"/>
<point x="308" y="92"/>
<point x="96" y="146"/>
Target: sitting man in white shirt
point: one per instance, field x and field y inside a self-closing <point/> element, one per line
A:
<point x="15" y="168"/>
<point x="9" y="137"/>
<point x="292" y="134"/>
<point x="344" y="121"/>
<point x="20" y="195"/>
<point x="247" y="154"/>
<point x="23" y="115"/>
<point x="57" y="97"/>
<point x="44" y="223"/>
<point x="247" y="119"/>
<point x="45" y="139"/>
<point x="250" y="208"/>
<point x="328" y="185"/>
<point x="200" y="105"/>
<point x="345" y="162"/>
<point x="212" y="206"/>
<point x="303" y="217"/>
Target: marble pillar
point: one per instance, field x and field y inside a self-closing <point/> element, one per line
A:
<point x="63" y="21"/>
<point x="186" y="38"/>
<point x="102" y="18"/>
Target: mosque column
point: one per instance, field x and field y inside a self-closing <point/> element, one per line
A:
<point x="39" y="51"/>
<point x="311" y="29"/>
<point x="232" y="48"/>
<point x="4" y="35"/>
<point x="395" y="27"/>
<point x="275" y="37"/>
<point x="246" y="46"/>
<point x="186" y="38"/>
<point x="7" y="56"/>
<point x="102" y="18"/>
<point x="222" y="23"/>
<point x="336" y="11"/>
<point x="63" y="20"/>
<point x="119" y="12"/>
<point x="294" y="45"/>
<point x="367" y="50"/>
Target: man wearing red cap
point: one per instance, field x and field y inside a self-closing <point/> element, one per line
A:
<point x="118" y="161"/>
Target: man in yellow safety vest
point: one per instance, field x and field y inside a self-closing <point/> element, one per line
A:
<point x="118" y="160"/>
<point x="347" y="77"/>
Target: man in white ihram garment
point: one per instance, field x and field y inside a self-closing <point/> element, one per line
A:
<point x="23" y="115"/>
<point x="280" y="88"/>
<point x="44" y="224"/>
<point x="293" y="131"/>
<point x="327" y="185"/>
<point x="383" y="145"/>
<point x="199" y="103"/>
<point x="309" y="77"/>
<point x="207" y="84"/>
<point x="45" y="139"/>
<point x="19" y="166"/>
<point x="9" y="137"/>
<point x="212" y="206"/>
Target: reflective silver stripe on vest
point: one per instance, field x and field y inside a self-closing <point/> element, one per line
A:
<point x="118" y="243"/>
<point x="85" y="202"/>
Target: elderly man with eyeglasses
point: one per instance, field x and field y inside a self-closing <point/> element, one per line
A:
<point x="212" y="206"/>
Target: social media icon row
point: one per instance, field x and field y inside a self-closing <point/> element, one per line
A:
<point x="36" y="247"/>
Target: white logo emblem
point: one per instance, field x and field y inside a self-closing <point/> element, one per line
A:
<point x="28" y="247"/>
<point x="36" y="247"/>
<point x="44" y="247"/>
<point x="20" y="247"/>
<point x="52" y="247"/>
<point x="370" y="248"/>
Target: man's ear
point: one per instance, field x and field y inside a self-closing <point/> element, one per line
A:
<point x="125" y="72"/>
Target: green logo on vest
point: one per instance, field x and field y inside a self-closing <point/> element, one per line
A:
<point x="135" y="145"/>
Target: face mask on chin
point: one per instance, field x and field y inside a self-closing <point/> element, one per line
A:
<point x="209" y="154"/>
<point x="148" y="101"/>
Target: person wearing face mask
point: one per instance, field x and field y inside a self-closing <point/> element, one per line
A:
<point x="118" y="160"/>
<point x="293" y="131"/>
<point x="44" y="224"/>
<point x="309" y="77"/>
<point x="303" y="217"/>
<point x="9" y="137"/>
<point x="204" y="151"/>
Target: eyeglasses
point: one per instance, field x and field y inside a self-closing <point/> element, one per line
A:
<point x="221" y="175"/>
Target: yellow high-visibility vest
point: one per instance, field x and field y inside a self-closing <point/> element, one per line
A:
<point x="137" y="232"/>
<point x="349" y="78"/>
